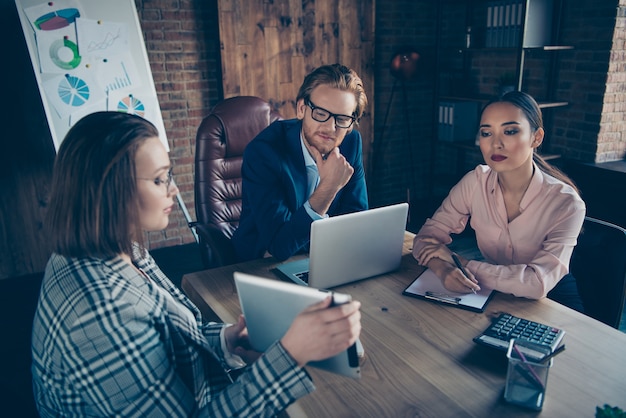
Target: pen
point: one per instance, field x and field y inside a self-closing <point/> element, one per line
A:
<point x="460" y="266"/>
<point x="522" y="371"/>
<point x="442" y="297"/>
<point x="533" y="375"/>
<point x="552" y="354"/>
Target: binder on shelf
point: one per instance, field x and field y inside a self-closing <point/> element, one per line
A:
<point x="506" y="19"/>
<point x="496" y="24"/>
<point x="489" y="26"/>
<point x="458" y="120"/>
<point x="508" y="26"/>
<point x="442" y="120"/>
<point x="516" y="20"/>
<point x="500" y="25"/>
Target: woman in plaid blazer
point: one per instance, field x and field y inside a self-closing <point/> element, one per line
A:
<point x="112" y="335"/>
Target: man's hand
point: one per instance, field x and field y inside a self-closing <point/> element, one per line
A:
<point x="335" y="172"/>
<point x="334" y="169"/>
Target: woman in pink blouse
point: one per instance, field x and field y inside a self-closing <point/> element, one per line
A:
<point x="526" y="214"/>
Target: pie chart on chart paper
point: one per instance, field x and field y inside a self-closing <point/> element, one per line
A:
<point x="57" y="19"/>
<point x="64" y="54"/>
<point x="73" y="91"/>
<point x="131" y="105"/>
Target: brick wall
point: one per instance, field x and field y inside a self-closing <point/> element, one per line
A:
<point x="612" y="135"/>
<point x="182" y="39"/>
<point x="588" y="25"/>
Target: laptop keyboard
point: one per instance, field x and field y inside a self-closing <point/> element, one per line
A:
<point x="304" y="276"/>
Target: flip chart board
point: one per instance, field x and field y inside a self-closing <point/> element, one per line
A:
<point x="88" y="56"/>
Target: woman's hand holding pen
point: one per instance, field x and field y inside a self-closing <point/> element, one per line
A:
<point x="440" y="260"/>
<point x="452" y="278"/>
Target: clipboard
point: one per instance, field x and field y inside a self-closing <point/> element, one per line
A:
<point x="429" y="287"/>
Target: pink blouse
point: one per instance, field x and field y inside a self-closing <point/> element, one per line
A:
<point x="527" y="256"/>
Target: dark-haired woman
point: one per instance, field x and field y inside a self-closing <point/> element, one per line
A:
<point x="525" y="213"/>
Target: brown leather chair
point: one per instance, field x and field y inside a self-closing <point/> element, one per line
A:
<point x="220" y="142"/>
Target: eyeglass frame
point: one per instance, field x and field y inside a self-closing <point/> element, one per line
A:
<point x="313" y="108"/>
<point x="159" y="181"/>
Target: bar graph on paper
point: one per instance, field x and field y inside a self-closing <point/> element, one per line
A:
<point x="120" y="80"/>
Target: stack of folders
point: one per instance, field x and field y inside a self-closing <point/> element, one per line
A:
<point x="505" y="21"/>
<point x="458" y="120"/>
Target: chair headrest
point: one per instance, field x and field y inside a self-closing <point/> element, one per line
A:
<point x="242" y="118"/>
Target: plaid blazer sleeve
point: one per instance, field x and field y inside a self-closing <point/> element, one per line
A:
<point x="108" y="342"/>
<point x="263" y="389"/>
<point x="125" y="368"/>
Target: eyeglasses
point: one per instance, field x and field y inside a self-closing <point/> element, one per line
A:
<point x="320" y="114"/>
<point x="159" y="181"/>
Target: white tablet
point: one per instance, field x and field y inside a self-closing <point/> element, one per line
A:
<point x="270" y="307"/>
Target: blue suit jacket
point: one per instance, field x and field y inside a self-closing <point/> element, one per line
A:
<point x="273" y="216"/>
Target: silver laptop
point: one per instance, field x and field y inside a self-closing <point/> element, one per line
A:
<point x="270" y="307"/>
<point x="351" y="247"/>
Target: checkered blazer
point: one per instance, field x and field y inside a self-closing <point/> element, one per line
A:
<point x="107" y="341"/>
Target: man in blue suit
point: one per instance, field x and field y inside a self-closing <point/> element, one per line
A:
<point x="301" y="170"/>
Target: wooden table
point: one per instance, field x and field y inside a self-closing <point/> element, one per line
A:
<point x="420" y="359"/>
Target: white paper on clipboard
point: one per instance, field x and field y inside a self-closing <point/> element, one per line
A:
<point x="428" y="286"/>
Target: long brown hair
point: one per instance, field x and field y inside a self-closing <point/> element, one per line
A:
<point x="93" y="208"/>
<point x="533" y="114"/>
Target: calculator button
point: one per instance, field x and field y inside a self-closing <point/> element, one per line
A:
<point x="507" y="326"/>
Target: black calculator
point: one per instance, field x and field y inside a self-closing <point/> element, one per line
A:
<point x="506" y="326"/>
